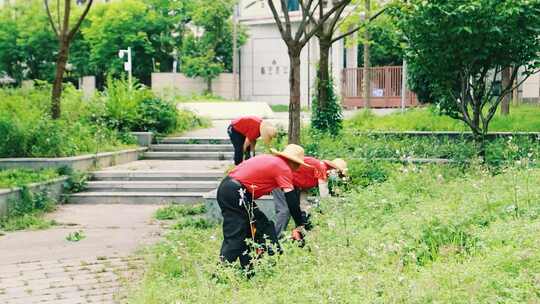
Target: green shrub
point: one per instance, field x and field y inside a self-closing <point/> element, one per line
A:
<point x="187" y="120"/>
<point x="14" y="137"/>
<point x="327" y="119"/>
<point x="156" y="115"/>
<point x="86" y="126"/>
<point x="121" y="103"/>
<point x="29" y="131"/>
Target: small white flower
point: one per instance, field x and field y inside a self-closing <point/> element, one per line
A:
<point x="511" y="208"/>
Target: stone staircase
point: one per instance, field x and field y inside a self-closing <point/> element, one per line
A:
<point x="191" y="148"/>
<point x="166" y="185"/>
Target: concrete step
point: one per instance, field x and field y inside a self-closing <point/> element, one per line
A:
<point x="196" y="140"/>
<point x="189" y="155"/>
<point x="213" y="212"/>
<point x="192" y="148"/>
<point x="151" y="186"/>
<point x="158" y="175"/>
<point x="135" y="198"/>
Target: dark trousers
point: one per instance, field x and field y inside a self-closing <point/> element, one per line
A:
<point x="236" y="227"/>
<point x="237" y="140"/>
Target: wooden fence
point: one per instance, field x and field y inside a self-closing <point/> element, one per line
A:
<point x="385" y="88"/>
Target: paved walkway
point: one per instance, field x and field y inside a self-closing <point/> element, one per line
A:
<point x="219" y="126"/>
<point x="43" y="267"/>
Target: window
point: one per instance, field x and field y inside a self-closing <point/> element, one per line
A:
<point x="293" y="5"/>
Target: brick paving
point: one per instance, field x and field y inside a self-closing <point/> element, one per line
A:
<point x="89" y="280"/>
<point x="43" y="267"/>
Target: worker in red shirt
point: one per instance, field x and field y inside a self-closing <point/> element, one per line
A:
<point x="253" y="178"/>
<point x="245" y="131"/>
<point x="304" y="179"/>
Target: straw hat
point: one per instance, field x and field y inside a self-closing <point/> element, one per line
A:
<point x="268" y="131"/>
<point x="339" y="164"/>
<point x="292" y="152"/>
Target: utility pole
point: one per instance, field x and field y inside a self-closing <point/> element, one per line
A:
<point x="235" y="53"/>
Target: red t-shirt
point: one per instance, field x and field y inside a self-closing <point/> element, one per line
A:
<point x="262" y="174"/>
<point x="249" y="126"/>
<point x="307" y="178"/>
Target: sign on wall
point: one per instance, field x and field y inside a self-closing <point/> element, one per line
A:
<point x="270" y="67"/>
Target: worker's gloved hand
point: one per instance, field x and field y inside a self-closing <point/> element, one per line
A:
<point x="298" y="235"/>
<point x="307" y="220"/>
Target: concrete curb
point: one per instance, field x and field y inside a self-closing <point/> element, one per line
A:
<point x="413" y="160"/>
<point x="449" y="134"/>
<point x="213" y="212"/>
<point x="144" y="139"/>
<point x="55" y="187"/>
<point x="79" y="163"/>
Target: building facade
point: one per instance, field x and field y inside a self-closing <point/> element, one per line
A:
<point x="264" y="61"/>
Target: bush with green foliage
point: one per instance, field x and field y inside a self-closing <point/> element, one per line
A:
<point x="86" y="126"/>
<point x="157" y="115"/>
<point x="134" y="107"/>
<point x="28" y="130"/>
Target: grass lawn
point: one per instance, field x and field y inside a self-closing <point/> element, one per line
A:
<point x="521" y="118"/>
<point x="197" y="98"/>
<point x="285" y="108"/>
<point x="416" y="234"/>
<point x="10" y="178"/>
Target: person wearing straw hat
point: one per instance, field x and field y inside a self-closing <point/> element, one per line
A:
<point x="253" y="178"/>
<point x="244" y="132"/>
<point x="304" y="179"/>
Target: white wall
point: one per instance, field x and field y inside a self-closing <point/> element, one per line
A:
<point x="183" y="85"/>
<point x="531" y="88"/>
<point x="265" y="66"/>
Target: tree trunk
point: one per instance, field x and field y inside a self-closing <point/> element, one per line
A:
<point x="515" y="93"/>
<point x="323" y="74"/>
<point x="59" y="77"/>
<point x="367" y="61"/>
<point x="505" y="83"/>
<point x="294" y="101"/>
<point x="209" y="85"/>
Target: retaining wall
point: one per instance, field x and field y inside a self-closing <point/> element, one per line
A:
<point x="450" y="134"/>
<point x="78" y="163"/>
<point x="54" y="187"/>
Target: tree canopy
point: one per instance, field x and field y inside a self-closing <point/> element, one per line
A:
<point x="456" y="50"/>
<point x="158" y="31"/>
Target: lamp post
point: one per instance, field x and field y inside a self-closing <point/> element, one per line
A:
<point x="127" y="65"/>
